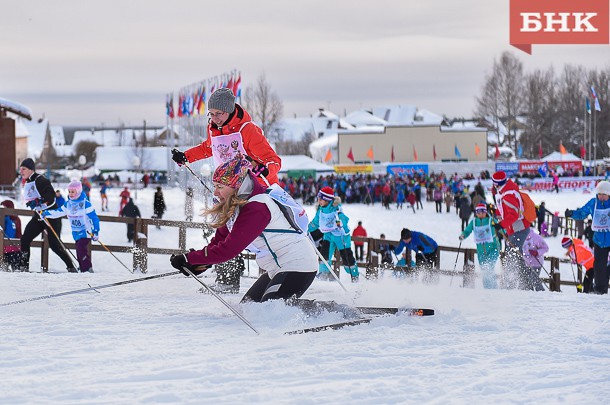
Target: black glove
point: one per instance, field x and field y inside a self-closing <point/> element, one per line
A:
<point x="33" y="204"/>
<point x="498" y="227"/>
<point x="180" y="262"/>
<point x="568" y="213"/>
<point x="178" y="157"/>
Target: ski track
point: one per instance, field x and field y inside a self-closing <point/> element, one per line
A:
<point x="161" y="341"/>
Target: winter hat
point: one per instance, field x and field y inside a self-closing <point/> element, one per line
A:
<point x="481" y="207"/>
<point x="326" y="194"/>
<point x="223" y="100"/>
<point x="499" y="178"/>
<point x="405" y="234"/>
<point x="28" y="163"/>
<point x="232" y="172"/>
<point x="566" y="242"/>
<point x="77" y="186"/>
<point x="603" y="187"/>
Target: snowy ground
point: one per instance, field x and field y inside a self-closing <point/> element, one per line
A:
<point x="160" y="341"/>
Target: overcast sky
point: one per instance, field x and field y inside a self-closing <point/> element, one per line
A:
<point x="93" y="62"/>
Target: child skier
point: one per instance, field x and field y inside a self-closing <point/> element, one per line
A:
<point x="534" y="249"/>
<point x="83" y="220"/>
<point x="330" y="225"/>
<point x="579" y="253"/>
<point x="11" y="227"/>
<point x="488" y="245"/>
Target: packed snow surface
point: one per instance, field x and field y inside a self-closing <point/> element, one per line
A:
<point x="161" y="341"/>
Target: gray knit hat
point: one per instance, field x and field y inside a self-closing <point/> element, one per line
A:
<point x="223" y="100"/>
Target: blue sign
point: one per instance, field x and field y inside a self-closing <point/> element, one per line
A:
<point x="510" y="168"/>
<point x="407" y="169"/>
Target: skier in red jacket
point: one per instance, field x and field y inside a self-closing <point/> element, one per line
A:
<point x="231" y="131"/>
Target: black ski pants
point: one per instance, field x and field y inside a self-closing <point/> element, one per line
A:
<point x="34" y="228"/>
<point x="284" y="285"/>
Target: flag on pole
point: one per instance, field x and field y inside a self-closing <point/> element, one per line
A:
<point x="350" y="155"/>
<point x="370" y="153"/>
<point x="201" y="105"/>
<point x="562" y="149"/>
<point x="540" y="150"/>
<point x="237" y="87"/>
<point x="477" y="150"/>
<point x="588" y="105"/>
<point x="414" y="154"/>
<point x="497" y="154"/>
<point x="392" y="154"/>
<point x="520" y="150"/>
<point x="328" y="156"/>
<point x="434" y="151"/>
<point x="543" y="169"/>
<point x="169" y="105"/>
<point x="457" y="152"/>
<point x="595" y="99"/>
<point x="583" y="152"/>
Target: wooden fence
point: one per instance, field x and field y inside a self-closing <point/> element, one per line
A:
<point x="140" y="249"/>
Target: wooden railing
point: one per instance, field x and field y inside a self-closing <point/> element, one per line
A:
<point x="140" y="249"/>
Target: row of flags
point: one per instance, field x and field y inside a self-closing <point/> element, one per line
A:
<point x="595" y="101"/>
<point x="371" y="155"/>
<point x="192" y="102"/>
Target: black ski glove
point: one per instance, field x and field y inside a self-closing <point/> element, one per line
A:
<point x="259" y="170"/>
<point x="180" y="262"/>
<point x="498" y="227"/>
<point x="179" y="157"/>
<point x="34" y="203"/>
<point x="568" y="213"/>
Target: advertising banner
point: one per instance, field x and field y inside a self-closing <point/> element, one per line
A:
<point x="406" y="169"/>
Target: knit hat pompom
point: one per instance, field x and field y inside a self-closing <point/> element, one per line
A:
<point x="232" y="173"/>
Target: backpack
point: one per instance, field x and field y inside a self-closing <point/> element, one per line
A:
<point x="292" y="210"/>
<point x="529" y="208"/>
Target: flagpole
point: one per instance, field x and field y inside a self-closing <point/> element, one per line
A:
<point x="595" y="139"/>
<point x="584" y="139"/>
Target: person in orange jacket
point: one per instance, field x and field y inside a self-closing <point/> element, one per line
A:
<point x="230" y="132"/>
<point x="580" y="253"/>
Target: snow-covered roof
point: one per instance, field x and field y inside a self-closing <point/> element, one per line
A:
<point x="16" y="108"/>
<point x="302" y="162"/>
<point x="557" y="157"/>
<point x="363" y="118"/>
<point x="320" y="147"/>
<point x="406" y="115"/>
<point x="122" y="158"/>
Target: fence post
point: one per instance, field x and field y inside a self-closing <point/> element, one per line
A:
<point x="44" y="254"/>
<point x="555" y="282"/>
<point x="140" y="253"/>
<point x="2" y="264"/>
<point x="182" y="237"/>
<point x="372" y="262"/>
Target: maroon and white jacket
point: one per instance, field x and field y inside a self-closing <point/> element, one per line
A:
<point x="276" y="251"/>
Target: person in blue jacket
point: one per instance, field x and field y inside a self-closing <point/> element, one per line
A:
<point x="83" y="220"/>
<point x="329" y="227"/>
<point x="599" y="209"/>
<point x="425" y="248"/>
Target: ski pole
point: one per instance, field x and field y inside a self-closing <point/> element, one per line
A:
<point x="113" y="255"/>
<point x="198" y="178"/>
<point x="578" y="284"/>
<point x="219" y="298"/>
<point x="456" y="260"/>
<point x="56" y="235"/>
<point x="325" y="263"/>
<point x="136" y="280"/>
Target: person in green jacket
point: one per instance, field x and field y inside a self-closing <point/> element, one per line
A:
<point x="488" y="246"/>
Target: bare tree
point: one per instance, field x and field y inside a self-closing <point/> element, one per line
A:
<point x="86" y="148"/>
<point x="504" y="91"/>
<point x="296" y="147"/>
<point x="540" y="103"/>
<point x="264" y="105"/>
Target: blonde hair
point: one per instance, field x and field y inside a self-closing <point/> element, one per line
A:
<point x="221" y="213"/>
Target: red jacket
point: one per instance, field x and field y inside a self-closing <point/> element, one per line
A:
<point x="254" y="142"/>
<point x="359" y="231"/>
<point x="509" y="204"/>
